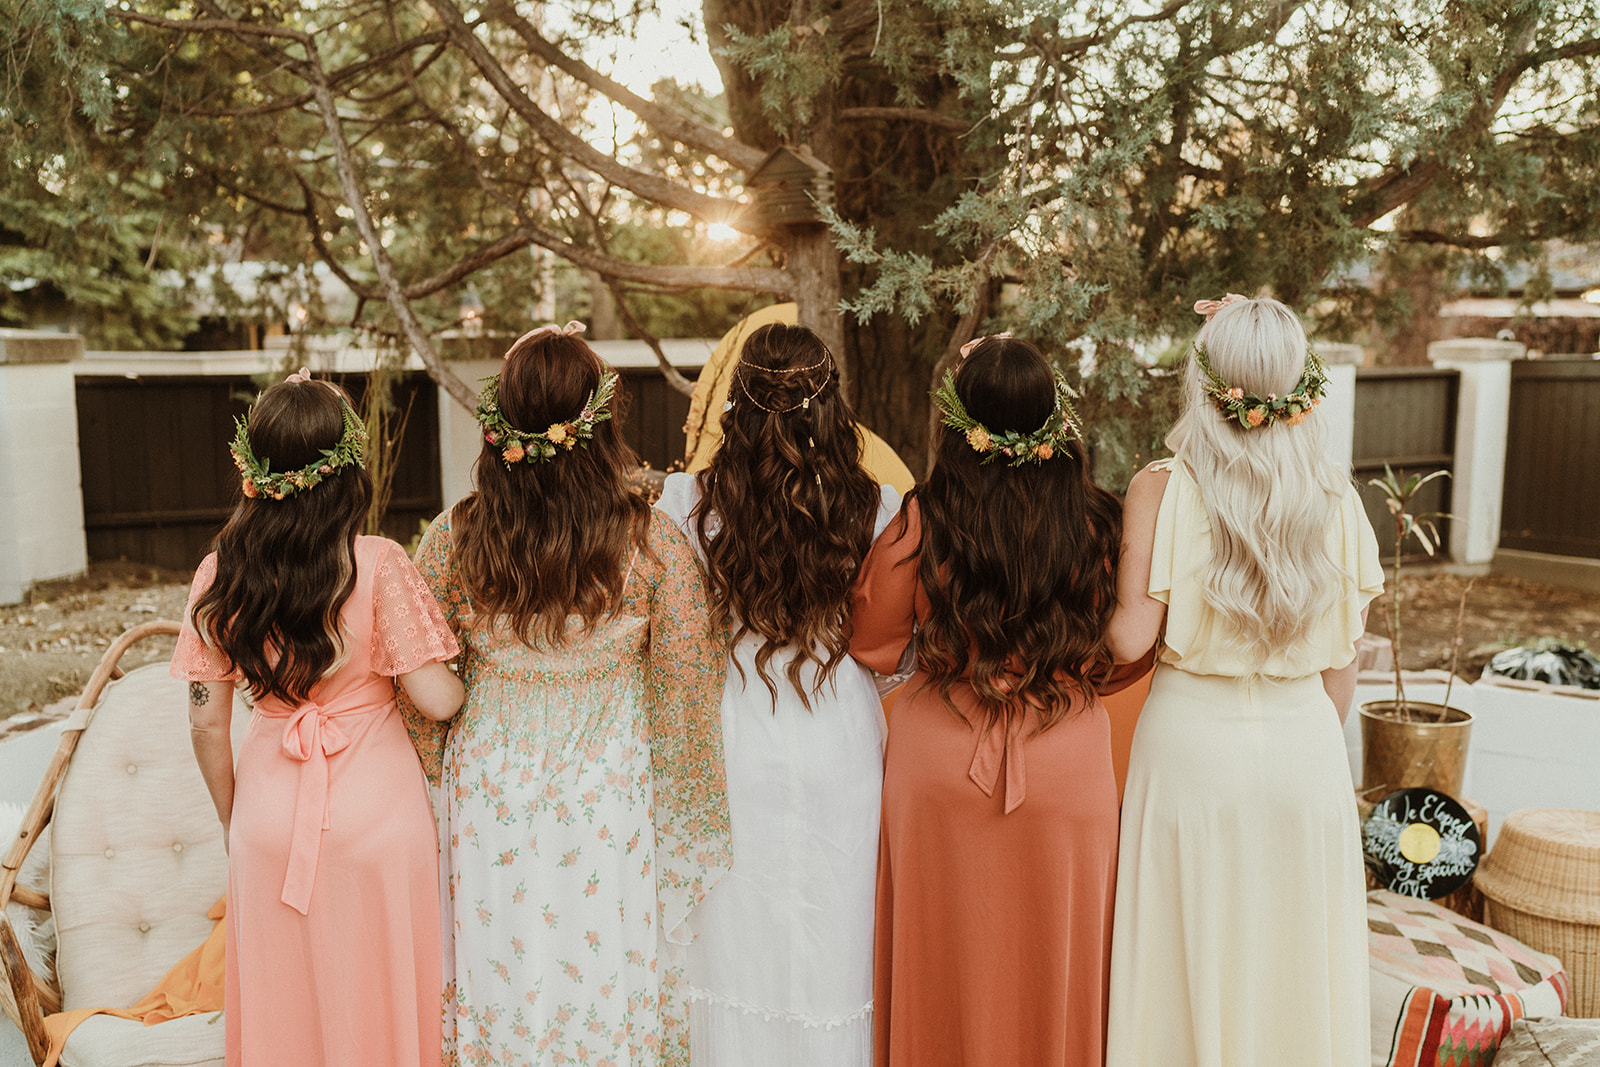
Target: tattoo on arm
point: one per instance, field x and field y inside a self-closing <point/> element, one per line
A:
<point x="199" y="695"/>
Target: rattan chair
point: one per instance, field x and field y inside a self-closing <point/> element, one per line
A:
<point x="136" y="861"/>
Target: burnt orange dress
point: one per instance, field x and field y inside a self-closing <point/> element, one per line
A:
<point x="997" y="860"/>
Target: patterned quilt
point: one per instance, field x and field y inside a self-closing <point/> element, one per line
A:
<point x="1445" y="990"/>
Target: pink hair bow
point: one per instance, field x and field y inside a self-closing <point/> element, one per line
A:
<point x="571" y="328"/>
<point x="1209" y="308"/>
<point x="966" y="349"/>
<point x="301" y="375"/>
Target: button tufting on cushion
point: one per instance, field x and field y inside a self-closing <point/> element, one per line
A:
<point x="133" y="768"/>
<point x="138" y="858"/>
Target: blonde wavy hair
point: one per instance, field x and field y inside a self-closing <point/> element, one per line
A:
<point x="1271" y="493"/>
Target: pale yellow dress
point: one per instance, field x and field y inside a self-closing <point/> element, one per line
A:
<point x="1240" y="933"/>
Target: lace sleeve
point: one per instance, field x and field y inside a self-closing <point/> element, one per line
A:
<point x="433" y="568"/>
<point x="408" y="627"/>
<point x="688" y="665"/>
<point x="193" y="660"/>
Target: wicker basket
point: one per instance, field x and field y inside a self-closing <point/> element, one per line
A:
<point x="1541" y="885"/>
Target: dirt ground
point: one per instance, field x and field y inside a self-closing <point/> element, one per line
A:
<point x="49" y="646"/>
<point x="1500" y="613"/>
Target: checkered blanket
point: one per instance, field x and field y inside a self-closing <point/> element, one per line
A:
<point x="1445" y="990"/>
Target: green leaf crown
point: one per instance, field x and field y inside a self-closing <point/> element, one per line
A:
<point x="1015" y="448"/>
<point x="258" y="479"/>
<point x="519" y="446"/>
<point x="1252" y="411"/>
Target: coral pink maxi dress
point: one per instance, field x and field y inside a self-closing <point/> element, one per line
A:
<point x="333" y="954"/>
<point x="997" y="863"/>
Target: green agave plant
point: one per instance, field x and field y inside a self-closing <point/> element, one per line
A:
<point x="1399" y="490"/>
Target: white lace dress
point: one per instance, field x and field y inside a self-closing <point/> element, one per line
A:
<point x="780" y="970"/>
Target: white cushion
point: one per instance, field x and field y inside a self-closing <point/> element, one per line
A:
<point x="106" y="1041"/>
<point x="136" y="848"/>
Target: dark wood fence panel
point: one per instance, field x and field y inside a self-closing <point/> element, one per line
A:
<point x="653" y="414"/>
<point x="1552" y="487"/>
<point x="157" y="478"/>
<point x="1406" y="418"/>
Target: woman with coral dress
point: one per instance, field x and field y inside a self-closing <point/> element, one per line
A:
<point x="582" y="803"/>
<point x="780" y="970"/>
<point x="999" y="839"/>
<point x="1241" y="935"/>
<point x="332" y="947"/>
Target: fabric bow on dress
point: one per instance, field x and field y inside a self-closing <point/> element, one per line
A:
<point x="312" y="734"/>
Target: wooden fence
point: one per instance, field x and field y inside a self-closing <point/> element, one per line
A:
<point x="1552" y="486"/>
<point x="157" y="478"/>
<point x="1405" y="417"/>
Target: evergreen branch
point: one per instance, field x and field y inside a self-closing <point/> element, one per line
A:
<point x="574" y="148"/>
<point x="680" y="128"/>
<point x="355" y="197"/>
<point x="1572" y="50"/>
<point x="1469" y="240"/>
<point x="673" y="376"/>
<point x="908" y="114"/>
<point x="1398" y="185"/>
<point x="222" y="25"/>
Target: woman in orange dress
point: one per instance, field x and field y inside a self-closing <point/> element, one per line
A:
<point x="998" y="851"/>
<point x="333" y="886"/>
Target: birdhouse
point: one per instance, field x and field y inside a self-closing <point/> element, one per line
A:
<point x="790" y="187"/>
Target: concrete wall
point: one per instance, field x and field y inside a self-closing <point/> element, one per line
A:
<point x="41" y="493"/>
<point x="1532" y="746"/>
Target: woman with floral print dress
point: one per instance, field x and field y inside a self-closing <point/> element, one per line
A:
<point x="582" y="804"/>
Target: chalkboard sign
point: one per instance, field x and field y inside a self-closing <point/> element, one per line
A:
<point x="1421" y="843"/>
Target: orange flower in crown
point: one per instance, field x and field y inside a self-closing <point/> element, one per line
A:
<point x="1248" y="410"/>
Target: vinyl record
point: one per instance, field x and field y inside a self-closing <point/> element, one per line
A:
<point x="1421" y="843"/>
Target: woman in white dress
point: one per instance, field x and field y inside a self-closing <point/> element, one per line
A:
<point x="1240" y="937"/>
<point x="780" y="970"/>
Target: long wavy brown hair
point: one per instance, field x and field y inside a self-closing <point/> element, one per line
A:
<point x="786" y="510"/>
<point x="540" y="542"/>
<point x="286" y="567"/>
<point x="1016" y="561"/>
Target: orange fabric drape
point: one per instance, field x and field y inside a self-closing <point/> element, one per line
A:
<point x="193" y="986"/>
<point x="1123" y="708"/>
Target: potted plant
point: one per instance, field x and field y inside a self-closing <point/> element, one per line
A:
<point x="1406" y="743"/>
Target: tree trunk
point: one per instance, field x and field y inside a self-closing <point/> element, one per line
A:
<point x="814" y="263"/>
<point x="603" y="322"/>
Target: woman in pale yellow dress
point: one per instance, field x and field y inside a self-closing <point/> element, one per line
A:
<point x="1240" y="936"/>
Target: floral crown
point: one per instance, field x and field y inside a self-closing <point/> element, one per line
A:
<point x="1017" y="448"/>
<point x="257" y="477"/>
<point x="1249" y="410"/>
<point x="517" y="446"/>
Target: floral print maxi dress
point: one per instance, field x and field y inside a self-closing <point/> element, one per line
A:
<point x="582" y="815"/>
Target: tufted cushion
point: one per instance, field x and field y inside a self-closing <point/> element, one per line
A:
<point x="136" y="848"/>
<point x="193" y="1041"/>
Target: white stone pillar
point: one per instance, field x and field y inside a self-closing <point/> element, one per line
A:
<point x="41" y="488"/>
<point x="1339" y="406"/>
<point x="1483" y="409"/>
<point x="460" y="439"/>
